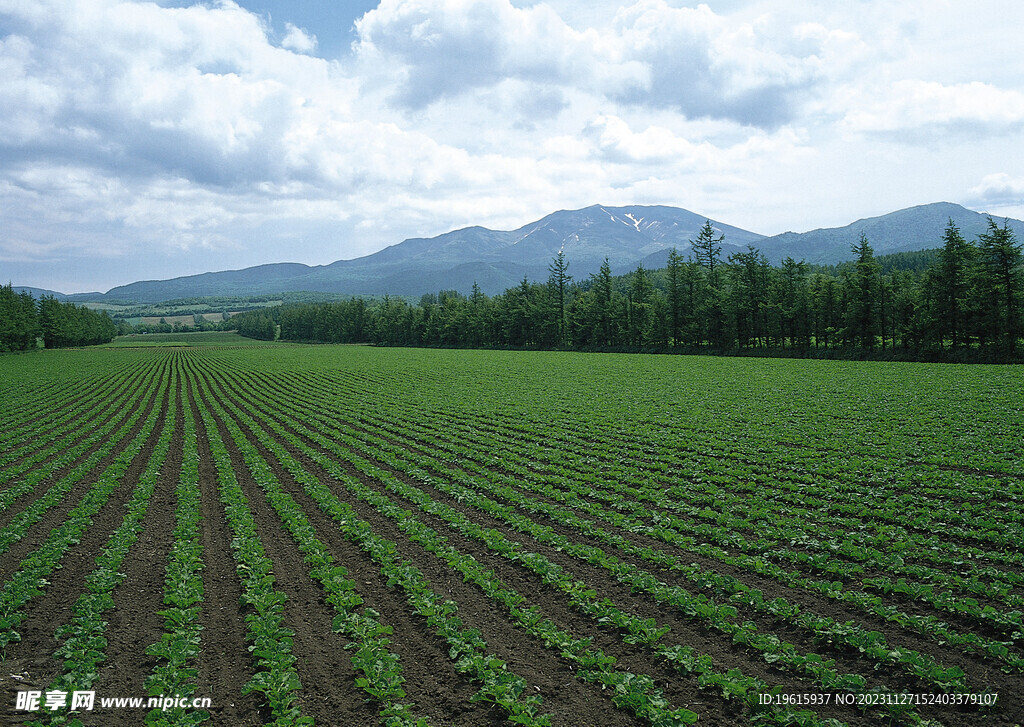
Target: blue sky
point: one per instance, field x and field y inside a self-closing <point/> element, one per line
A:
<point x="143" y="139"/>
<point x="332" y="22"/>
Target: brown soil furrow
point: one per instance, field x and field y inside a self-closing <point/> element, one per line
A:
<point x="683" y="631"/>
<point x="570" y="701"/>
<point x="135" y="624"/>
<point x="38" y="532"/>
<point x="225" y="665"/>
<point x="322" y="664"/>
<point x="32" y="655"/>
<point x="605" y="583"/>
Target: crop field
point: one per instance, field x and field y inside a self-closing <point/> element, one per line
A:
<point x="346" y="535"/>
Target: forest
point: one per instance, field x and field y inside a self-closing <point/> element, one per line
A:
<point x="961" y="302"/>
<point x="23" y="320"/>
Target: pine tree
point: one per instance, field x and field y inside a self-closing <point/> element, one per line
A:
<point x="707" y="248"/>
<point x="674" y="273"/>
<point x="559" y="280"/>
<point x="999" y="286"/>
<point x="952" y="286"/>
<point x="748" y="295"/>
<point x="640" y="293"/>
<point x="864" y="283"/>
<point x="603" y="313"/>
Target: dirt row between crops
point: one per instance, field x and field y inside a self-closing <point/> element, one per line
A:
<point x="894" y="677"/>
<point x="78" y="427"/>
<point x="31" y="658"/>
<point x="431" y="680"/>
<point x="962" y="623"/>
<point x="39" y="531"/>
<point x="225" y="664"/>
<point x="134" y="623"/>
<point x="985" y="674"/>
<point x="319" y="652"/>
<point x="681" y="690"/>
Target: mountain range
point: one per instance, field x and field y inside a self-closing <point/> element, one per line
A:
<point x="496" y="260"/>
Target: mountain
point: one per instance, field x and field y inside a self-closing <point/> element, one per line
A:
<point x="914" y="228"/>
<point x="494" y="259"/>
<point x="40" y="292"/>
<point x="272" y="278"/>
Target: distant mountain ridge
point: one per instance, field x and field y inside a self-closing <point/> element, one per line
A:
<point x="914" y="228"/>
<point x="496" y="260"/>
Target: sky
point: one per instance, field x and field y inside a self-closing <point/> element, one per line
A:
<point x="148" y="140"/>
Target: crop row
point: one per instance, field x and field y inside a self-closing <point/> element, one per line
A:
<point x="679" y="566"/>
<point x="634" y="691"/>
<point x="82" y="640"/>
<point x="832" y="589"/>
<point x="843" y="560"/>
<point x="29" y="579"/>
<point x="334" y="435"/>
<point x="59" y="456"/>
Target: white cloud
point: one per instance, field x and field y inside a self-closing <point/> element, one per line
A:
<point x="619" y="143"/>
<point x="127" y="125"/>
<point x="997" y="191"/>
<point x="442" y="48"/>
<point x="913" y="105"/>
<point x="705" y="64"/>
<point x="298" y="40"/>
<point x="650" y="54"/>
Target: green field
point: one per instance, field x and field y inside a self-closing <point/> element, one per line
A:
<point x="358" y="535"/>
<point x="205" y="339"/>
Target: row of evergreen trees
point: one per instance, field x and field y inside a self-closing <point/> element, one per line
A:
<point x="23" y="320"/>
<point x="260" y="324"/>
<point x="965" y="305"/>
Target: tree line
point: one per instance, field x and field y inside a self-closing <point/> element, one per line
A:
<point x="961" y="302"/>
<point x="23" y="320"/>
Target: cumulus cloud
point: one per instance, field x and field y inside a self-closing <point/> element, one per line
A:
<point x="915" y="106"/>
<point x="998" y="190"/>
<point x="651" y="54"/>
<point x="298" y="40"/>
<point x="198" y="94"/>
<point x="444" y="48"/>
<point x="707" y="65"/>
<point x="130" y="124"/>
<point x="619" y="143"/>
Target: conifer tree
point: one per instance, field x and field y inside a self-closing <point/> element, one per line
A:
<point x="952" y="286"/>
<point x="999" y="286"/>
<point x="864" y="284"/>
<point x="559" y="281"/>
